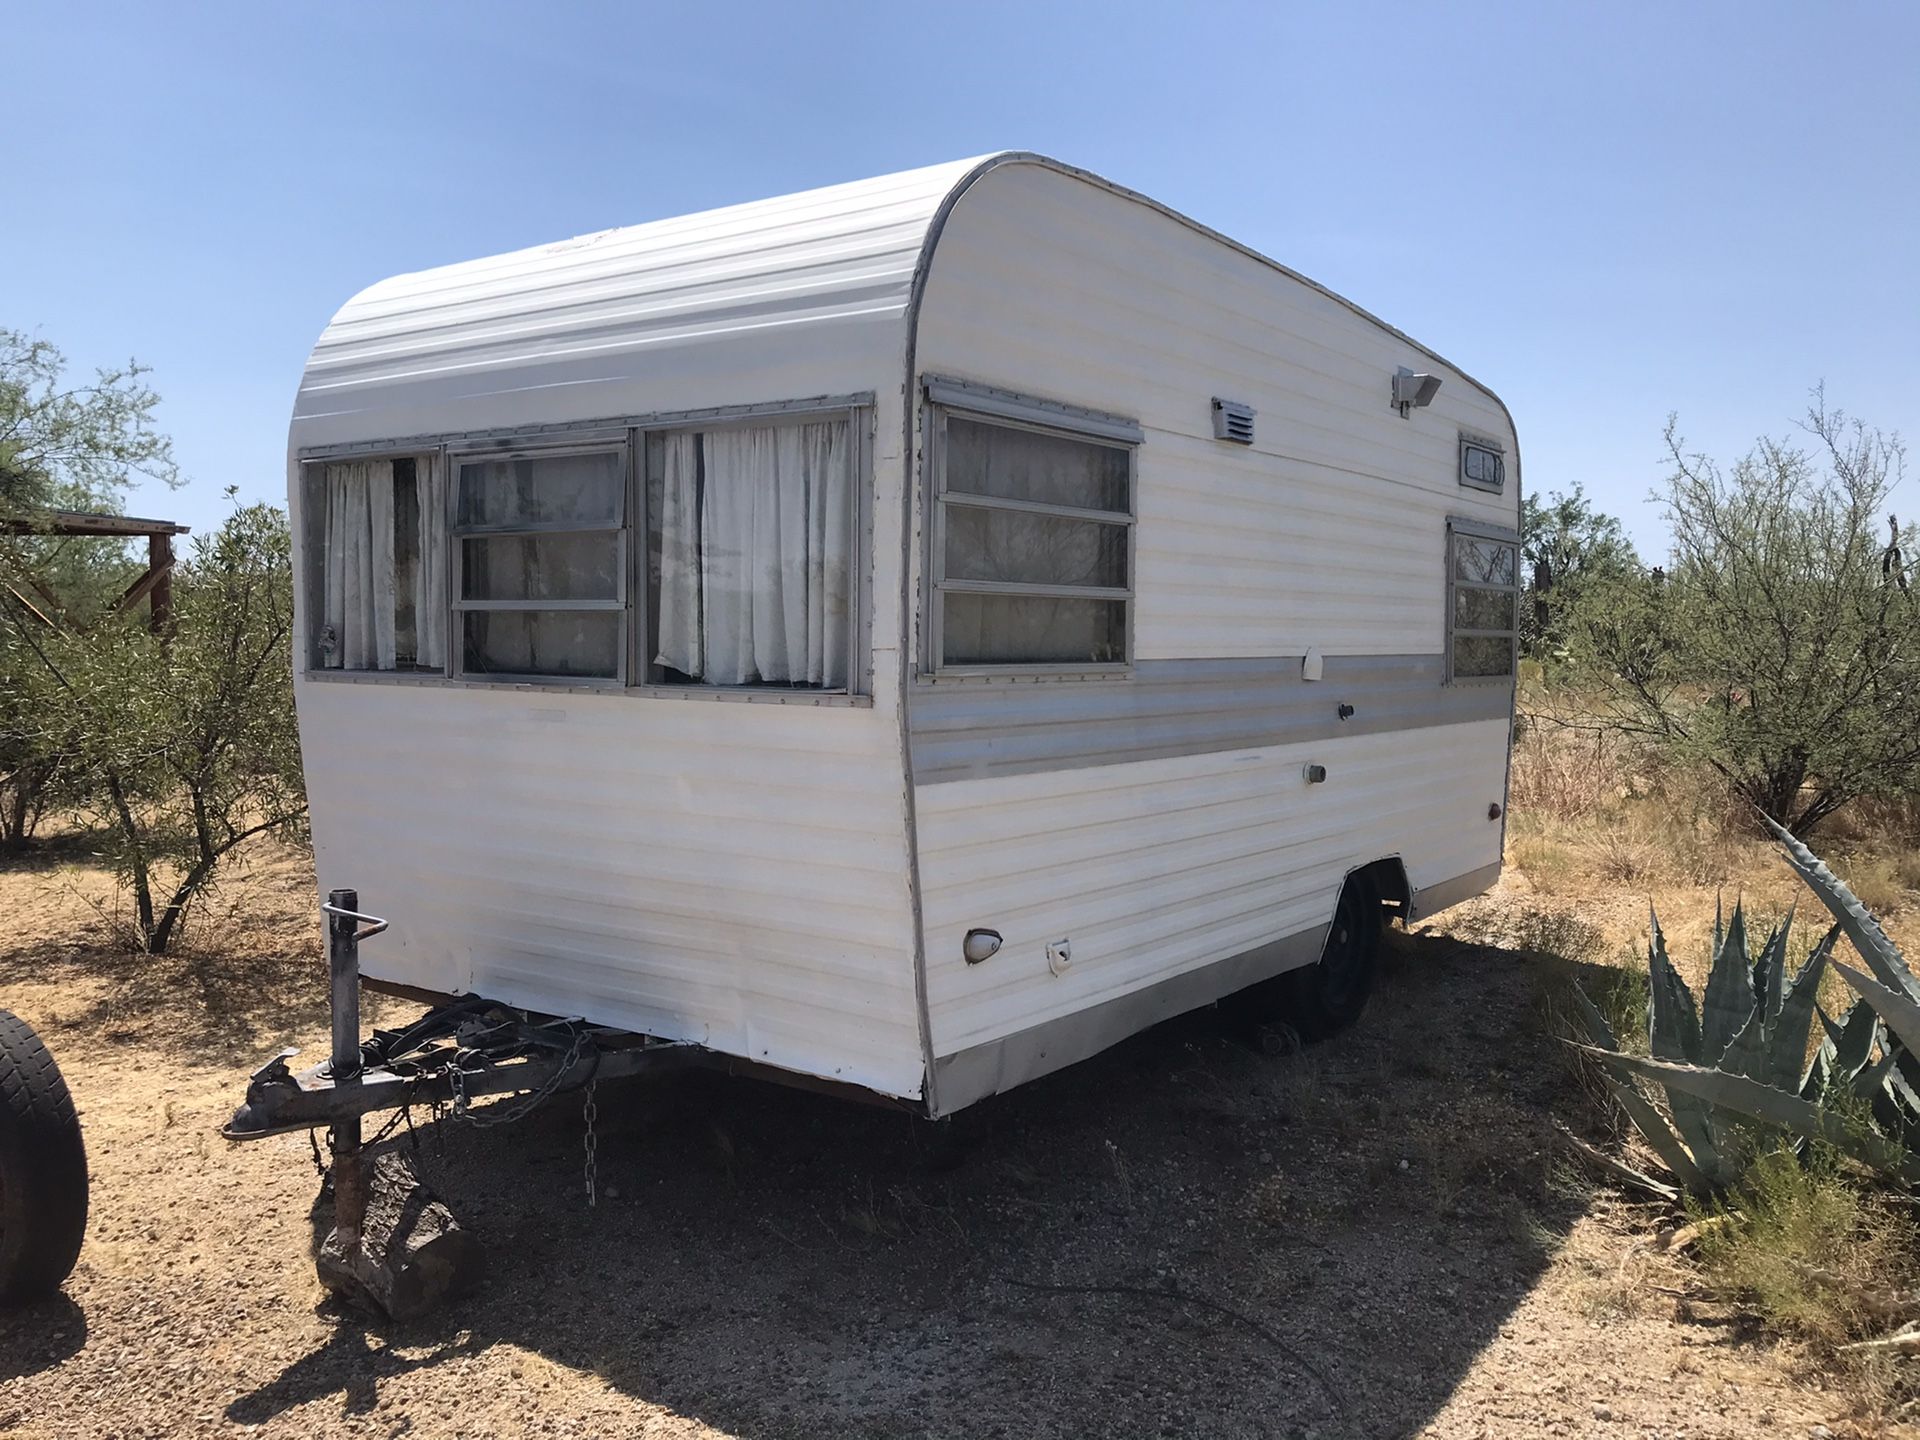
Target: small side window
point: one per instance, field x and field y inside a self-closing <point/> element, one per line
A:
<point x="1032" y="563"/>
<point x="1482" y="464"/>
<point x="1483" y="603"/>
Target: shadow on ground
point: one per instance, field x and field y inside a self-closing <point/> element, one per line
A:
<point x="48" y="1332"/>
<point x="1184" y="1236"/>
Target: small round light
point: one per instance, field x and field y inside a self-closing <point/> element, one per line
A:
<point x="980" y="945"/>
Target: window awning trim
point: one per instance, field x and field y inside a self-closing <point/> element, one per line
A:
<point x="987" y="400"/>
<point x="586" y="434"/>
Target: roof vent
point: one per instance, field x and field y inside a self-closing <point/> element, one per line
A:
<point x="1232" y="421"/>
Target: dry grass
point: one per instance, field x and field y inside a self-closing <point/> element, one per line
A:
<point x="1603" y="829"/>
<point x="1599" y="832"/>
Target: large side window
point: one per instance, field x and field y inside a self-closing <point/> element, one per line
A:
<point x="1483" y="600"/>
<point x="382" y="586"/>
<point x="726" y="553"/>
<point x="541" y="552"/>
<point x="1032" y="562"/>
<point x="750" y="554"/>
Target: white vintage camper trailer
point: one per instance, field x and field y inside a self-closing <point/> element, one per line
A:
<point x="910" y="634"/>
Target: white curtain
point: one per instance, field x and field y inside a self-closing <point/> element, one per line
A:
<point x="430" y="567"/>
<point x="681" y="643"/>
<point x="756" y="551"/>
<point x="359" y="589"/>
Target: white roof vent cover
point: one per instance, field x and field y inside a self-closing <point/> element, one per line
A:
<point x="1233" y="421"/>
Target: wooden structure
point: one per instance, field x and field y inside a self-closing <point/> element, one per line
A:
<point x="155" y="586"/>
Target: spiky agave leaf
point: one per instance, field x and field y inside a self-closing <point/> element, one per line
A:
<point x="1673" y="1025"/>
<point x="1905" y="1097"/>
<point x="1773" y="1107"/>
<point x="1852" y="1040"/>
<point x="1883" y="957"/>
<point x="1591" y="1020"/>
<point x="1793" y="1016"/>
<point x="1728" y="1005"/>
<point x="1819" y="1072"/>
<point x="1886" y="1092"/>
<point x="1872" y="1079"/>
<point x="1901" y="1014"/>
<point x="1770" y="969"/>
<point x="1673" y="1033"/>
<point x="1651" y="1124"/>
<point x="1746" y="1054"/>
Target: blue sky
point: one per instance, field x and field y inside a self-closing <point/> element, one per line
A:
<point x="1606" y="212"/>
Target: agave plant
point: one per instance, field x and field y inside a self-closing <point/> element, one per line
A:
<point x="1739" y="1059"/>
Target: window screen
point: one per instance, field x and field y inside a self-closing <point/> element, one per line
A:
<point x="1483" y="594"/>
<point x="542" y="565"/>
<point x="1032" y="562"/>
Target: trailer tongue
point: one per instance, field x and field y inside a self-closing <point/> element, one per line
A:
<point x="393" y="1247"/>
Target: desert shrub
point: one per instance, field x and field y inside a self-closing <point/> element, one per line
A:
<point x="1568" y="546"/>
<point x="62" y="446"/>
<point x="184" y="745"/>
<point x="1781" y="645"/>
<point x="1809" y="1249"/>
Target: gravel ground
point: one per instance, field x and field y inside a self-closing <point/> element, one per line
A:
<point x="1183" y="1237"/>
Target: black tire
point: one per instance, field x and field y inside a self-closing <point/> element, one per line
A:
<point x="43" y="1168"/>
<point x="1326" y="997"/>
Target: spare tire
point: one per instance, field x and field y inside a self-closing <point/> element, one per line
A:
<point x="43" y="1168"/>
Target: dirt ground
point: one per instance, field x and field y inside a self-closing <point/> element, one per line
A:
<point x="1183" y="1237"/>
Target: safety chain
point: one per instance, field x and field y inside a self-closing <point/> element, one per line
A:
<point x="591" y="1112"/>
<point x="460" y="1107"/>
<point x="507" y="1114"/>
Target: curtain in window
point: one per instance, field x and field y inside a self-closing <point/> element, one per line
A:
<point x="430" y="568"/>
<point x="682" y="643"/>
<point x="756" y="549"/>
<point x="359" y="590"/>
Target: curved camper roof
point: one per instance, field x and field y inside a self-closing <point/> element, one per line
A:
<point x="795" y="297"/>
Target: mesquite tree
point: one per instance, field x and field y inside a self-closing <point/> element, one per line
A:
<point x="186" y="743"/>
<point x="62" y="446"/>
<point x="1781" y="644"/>
<point x="1568" y="547"/>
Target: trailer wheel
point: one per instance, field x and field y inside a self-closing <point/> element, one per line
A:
<point x="43" y="1168"/>
<point x="1326" y="997"/>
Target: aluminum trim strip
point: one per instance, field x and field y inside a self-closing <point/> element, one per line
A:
<point x="1179" y="707"/>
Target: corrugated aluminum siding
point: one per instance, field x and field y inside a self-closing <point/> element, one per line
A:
<point x="1164" y="866"/>
<point x="734" y="874"/>
<point x="725" y="873"/>
<point x="775" y="300"/>
<point x="1328" y="532"/>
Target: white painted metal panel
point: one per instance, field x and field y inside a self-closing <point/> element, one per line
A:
<point x="1164" y="866"/>
<point x="1329" y="531"/>
<point x="732" y="874"/>
<point x="773" y="300"/>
